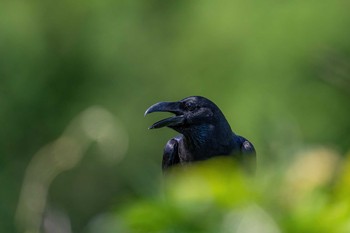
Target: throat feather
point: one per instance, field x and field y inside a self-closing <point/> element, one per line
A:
<point x="200" y="136"/>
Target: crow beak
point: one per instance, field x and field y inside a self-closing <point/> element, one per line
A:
<point x="173" y="107"/>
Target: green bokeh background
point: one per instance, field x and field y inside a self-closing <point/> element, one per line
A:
<point x="279" y="70"/>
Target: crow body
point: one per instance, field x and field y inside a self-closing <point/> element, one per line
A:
<point x="204" y="133"/>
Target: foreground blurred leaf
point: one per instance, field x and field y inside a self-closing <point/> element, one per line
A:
<point x="216" y="196"/>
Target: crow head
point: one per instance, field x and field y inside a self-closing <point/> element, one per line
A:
<point x="192" y="114"/>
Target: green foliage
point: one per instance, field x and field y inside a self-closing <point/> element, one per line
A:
<point x="216" y="197"/>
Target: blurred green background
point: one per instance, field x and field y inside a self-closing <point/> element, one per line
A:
<point x="77" y="76"/>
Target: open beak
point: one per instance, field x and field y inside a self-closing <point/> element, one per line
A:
<point x="173" y="107"/>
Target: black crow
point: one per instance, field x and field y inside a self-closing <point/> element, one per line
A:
<point x="204" y="133"/>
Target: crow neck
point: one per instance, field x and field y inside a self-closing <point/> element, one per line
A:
<point x="207" y="140"/>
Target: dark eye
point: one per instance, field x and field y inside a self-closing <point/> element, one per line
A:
<point x="190" y="106"/>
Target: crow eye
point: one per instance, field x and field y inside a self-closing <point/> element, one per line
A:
<point x="190" y="106"/>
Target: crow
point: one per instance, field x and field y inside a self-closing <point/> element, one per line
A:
<point x="204" y="133"/>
